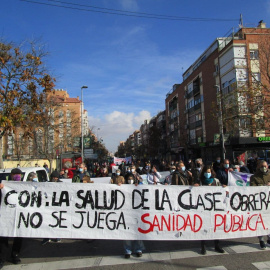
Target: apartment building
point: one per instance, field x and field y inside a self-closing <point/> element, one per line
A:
<point x="60" y="132"/>
<point x="209" y="103"/>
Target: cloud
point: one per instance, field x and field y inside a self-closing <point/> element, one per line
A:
<point x="129" y="5"/>
<point x="117" y="126"/>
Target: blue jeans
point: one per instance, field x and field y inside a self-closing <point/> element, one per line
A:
<point x="133" y="245"/>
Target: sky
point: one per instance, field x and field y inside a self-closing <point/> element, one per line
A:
<point x="128" y="60"/>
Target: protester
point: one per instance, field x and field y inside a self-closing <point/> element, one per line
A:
<point x="32" y="177"/>
<point x="153" y="177"/>
<point x="118" y="179"/>
<point x="261" y="178"/>
<point x="196" y="171"/>
<point x="86" y="179"/>
<point x="181" y="176"/>
<point x="190" y="165"/>
<point x="79" y="176"/>
<point x="46" y="167"/>
<point x="216" y="164"/>
<point x="53" y="178"/>
<point x="136" y="246"/>
<point x="104" y="171"/>
<point x="128" y="172"/>
<point x="243" y="168"/>
<point x="236" y="168"/>
<point x="168" y="179"/>
<point x="66" y="174"/>
<point x="16" y="174"/>
<point x="136" y="177"/>
<point x="62" y="173"/>
<point x="222" y="174"/>
<point x="207" y="178"/>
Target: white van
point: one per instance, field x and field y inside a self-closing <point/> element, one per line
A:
<point x="40" y="171"/>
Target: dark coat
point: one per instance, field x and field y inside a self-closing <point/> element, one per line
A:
<point x="222" y="176"/>
<point x="180" y="178"/>
<point x="260" y="178"/>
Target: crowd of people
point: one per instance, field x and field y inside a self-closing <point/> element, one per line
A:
<point x="179" y="173"/>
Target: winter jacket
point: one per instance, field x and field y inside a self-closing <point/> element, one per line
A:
<point x="260" y="178"/>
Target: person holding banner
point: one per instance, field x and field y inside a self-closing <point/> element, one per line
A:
<point x="55" y="175"/>
<point x="243" y="168"/>
<point x="15" y="175"/>
<point x="261" y="178"/>
<point x="133" y="245"/>
<point x="118" y="179"/>
<point x="222" y="174"/>
<point x="181" y="176"/>
<point x="168" y="179"/>
<point x="136" y="177"/>
<point x="207" y="178"/>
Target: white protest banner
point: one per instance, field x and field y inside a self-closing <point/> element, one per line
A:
<point x="114" y="168"/>
<point x="238" y="179"/>
<point x="146" y="212"/>
<point x="118" y="161"/>
<point x="101" y="180"/>
<point x="164" y="175"/>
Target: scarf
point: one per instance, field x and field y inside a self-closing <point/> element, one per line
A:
<point x="208" y="181"/>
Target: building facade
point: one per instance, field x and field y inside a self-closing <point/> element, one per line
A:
<point x="59" y="130"/>
<point x="209" y="104"/>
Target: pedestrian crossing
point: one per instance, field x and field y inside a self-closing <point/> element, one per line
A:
<point x="104" y="261"/>
<point x="258" y="265"/>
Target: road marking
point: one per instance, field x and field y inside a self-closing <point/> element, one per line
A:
<point x="213" y="268"/>
<point x="262" y="265"/>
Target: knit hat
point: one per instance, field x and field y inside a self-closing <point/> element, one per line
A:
<point x="16" y="171"/>
<point x="55" y="174"/>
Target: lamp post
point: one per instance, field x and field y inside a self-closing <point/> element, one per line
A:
<point x="220" y="123"/>
<point x="83" y="87"/>
<point x="97" y="133"/>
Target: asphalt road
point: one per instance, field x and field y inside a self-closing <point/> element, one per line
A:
<point x="244" y="253"/>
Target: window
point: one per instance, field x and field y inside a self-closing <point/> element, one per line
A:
<point x="198" y="117"/>
<point x="254" y="54"/>
<point x="192" y="119"/>
<point x="190" y="104"/>
<point x="228" y="86"/>
<point x="10" y="144"/>
<point x="245" y="123"/>
<point x="256" y="77"/>
<point x="197" y="100"/>
<point x="190" y="88"/>
<point x="192" y="134"/>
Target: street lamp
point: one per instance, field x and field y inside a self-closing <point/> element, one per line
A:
<point x="220" y="123"/>
<point x="97" y="133"/>
<point x="83" y="87"/>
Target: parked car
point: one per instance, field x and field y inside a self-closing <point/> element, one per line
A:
<point x="40" y="171"/>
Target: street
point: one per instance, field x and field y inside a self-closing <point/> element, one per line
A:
<point x="243" y="253"/>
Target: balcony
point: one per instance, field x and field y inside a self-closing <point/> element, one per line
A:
<point x="197" y="106"/>
<point x="198" y="123"/>
<point x="189" y="95"/>
<point x="196" y="90"/>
